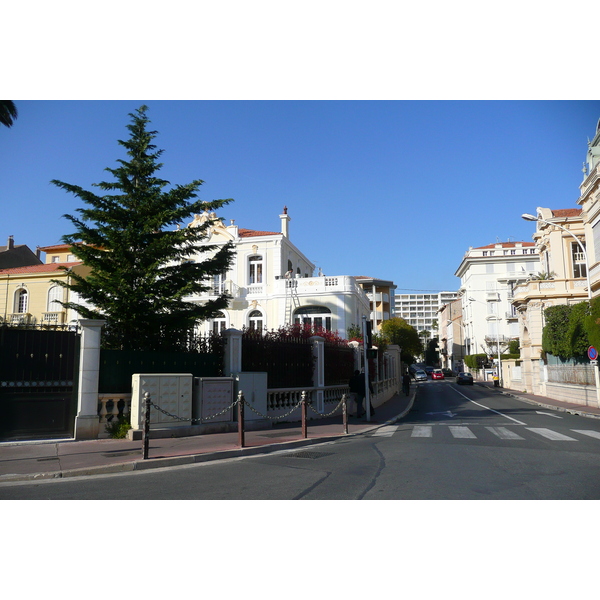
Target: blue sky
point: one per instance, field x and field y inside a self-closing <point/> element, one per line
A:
<point x="396" y="190"/>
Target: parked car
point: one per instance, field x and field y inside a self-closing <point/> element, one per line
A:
<point x="464" y="379"/>
<point x="448" y="372"/>
<point x="429" y="370"/>
<point x="420" y="375"/>
<point x="437" y="374"/>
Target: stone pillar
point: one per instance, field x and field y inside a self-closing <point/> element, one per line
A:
<point x="87" y="421"/>
<point x="318" y="347"/>
<point x="395" y="354"/>
<point x="233" y="352"/>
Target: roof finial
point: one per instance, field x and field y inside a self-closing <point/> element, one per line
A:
<point x="285" y="210"/>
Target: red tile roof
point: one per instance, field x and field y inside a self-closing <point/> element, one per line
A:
<point x="566" y="212"/>
<point x="252" y="233"/>
<point x="44" y="268"/>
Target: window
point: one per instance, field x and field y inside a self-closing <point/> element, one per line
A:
<point x="219" y="323"/>
<point x="255" y="271"/>
<point x="21" y="300"/>
<point x="315" y="316"/>
<point x="255" y="320"/>
<point x="54" y="295"/>
<point x="218" y="284"/>
<point x="579" y="268"/>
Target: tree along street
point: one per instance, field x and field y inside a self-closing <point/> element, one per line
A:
<point x="458" y="442"/>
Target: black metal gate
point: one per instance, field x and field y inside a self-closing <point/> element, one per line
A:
<point x="38" y="382"/>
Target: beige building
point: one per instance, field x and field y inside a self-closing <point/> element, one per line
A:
<point x="381" y="296"/>
<point x="451" y="342"/>
<point x="28" y="295"/>
<point x="562" y="280"/>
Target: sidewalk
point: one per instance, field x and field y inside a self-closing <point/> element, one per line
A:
<point x="576" y="409"/>
<point x="23" y="461"/>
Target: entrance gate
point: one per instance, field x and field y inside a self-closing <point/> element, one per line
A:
<point x="38" y="382"/>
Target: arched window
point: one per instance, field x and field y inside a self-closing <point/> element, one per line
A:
<point x="255" y="269"/>
<point x="54" y="295"/>
<point x="255" y="320"/>
<point x="219" y="323"/>
<point x="21" y="300"/>
<point x="318" y="317"/>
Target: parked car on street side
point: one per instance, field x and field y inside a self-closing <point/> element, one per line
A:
<point x="420" y="375"/>
<point x="464" y="379"/>
<point x="437" y="374"/>
<point x="448" y="372"/>
<point x="429" y="370"/>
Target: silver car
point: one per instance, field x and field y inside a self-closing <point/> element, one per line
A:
<point x="420" y="375"/>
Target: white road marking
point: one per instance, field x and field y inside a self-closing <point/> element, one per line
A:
<point x="422" y="431"/>
<point x="387" y="431"/>
<point x="504" y="434"/>
<point x="551" y="435"/>
<point x="541" y="412"/>
<point x="487" y="407"/>
<point x="590" y="432"/>
<point x="458" y="431"/>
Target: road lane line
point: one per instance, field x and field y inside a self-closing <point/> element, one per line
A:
<point x="590" y="432"/>
<point x="460" y="431"/>
<point x="422" y="431"/>
<point x="504" y="434"/>
<point x="551" y="435"/>
<point x="487" y="407"/>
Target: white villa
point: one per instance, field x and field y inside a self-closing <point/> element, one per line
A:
<point x="272" y="284"/>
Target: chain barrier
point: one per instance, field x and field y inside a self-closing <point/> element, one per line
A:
<point x="329" y="413"/>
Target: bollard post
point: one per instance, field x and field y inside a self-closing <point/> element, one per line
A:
<point x="146" y="430"/>
<point x="240" y="403"/>
<point x="345" y="413"/>
<point x="304" y="428"/>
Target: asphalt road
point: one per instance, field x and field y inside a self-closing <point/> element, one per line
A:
<point x="458" y="442"/>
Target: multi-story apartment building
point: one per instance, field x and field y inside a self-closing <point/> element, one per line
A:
<point x="381" y="296"/>
<point x="420" y="310"/>
<point x="272" y="284"/>
<point x="563" y="281"/>
<point x="488" y="276"/>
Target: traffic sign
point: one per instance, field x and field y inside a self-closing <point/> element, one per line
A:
<point x="592" y="353"/>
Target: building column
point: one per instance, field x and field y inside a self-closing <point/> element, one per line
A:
<point x="318" y="346"/>
<point x="87" y="421"/>
<point x="233" y="352"/>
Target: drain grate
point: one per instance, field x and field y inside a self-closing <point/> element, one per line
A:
<point x="308" y="454"/>
<point x="48" y="458"/>
<point x="118" y="453"/>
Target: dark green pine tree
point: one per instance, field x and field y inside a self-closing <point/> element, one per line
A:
<point x="140" y="260"/>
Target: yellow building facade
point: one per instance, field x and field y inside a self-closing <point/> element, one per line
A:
<point x="28" y="295"/>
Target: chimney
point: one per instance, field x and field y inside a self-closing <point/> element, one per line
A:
<point x="285" y="220"/>
<point x="11" y="243"/>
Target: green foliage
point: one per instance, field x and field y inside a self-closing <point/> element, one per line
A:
<point x="397" y="331"/>
<point x="141" y="262"/>
<point x="432" y="356"/>
<point x="476" y="361"/>
<point x="8" y="113"/>
<point x="117" y="429"/>
<point x="565" y="333"/>
<point x="513" y="347"/>
<point x="592" y="323"/>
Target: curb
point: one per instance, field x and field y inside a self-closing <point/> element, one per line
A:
<point x="190" y="459"/>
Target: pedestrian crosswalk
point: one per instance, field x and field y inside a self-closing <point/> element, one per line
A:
<point x="474" y="432"/>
